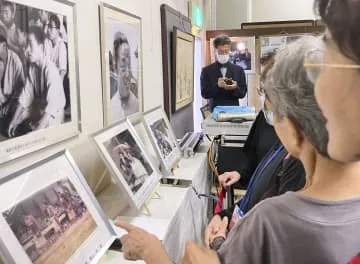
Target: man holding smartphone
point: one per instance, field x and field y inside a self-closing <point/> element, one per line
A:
<point x="222" y="82"/>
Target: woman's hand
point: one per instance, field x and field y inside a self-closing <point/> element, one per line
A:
<point x="216" y="228"/>
<point x="196" y="254"/>
<point x="212" y="228"/>
<point x="229" y="178"/>
<point x="140" y="245"/>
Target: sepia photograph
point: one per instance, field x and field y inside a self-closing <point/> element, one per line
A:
<point x="35" y="87"/>
<point x="127" y="156"/>
<point x="163" y="140"/>
<point x="52" y="223"/>
<point x="121" y="45"/>
<point x="242" y="53"/>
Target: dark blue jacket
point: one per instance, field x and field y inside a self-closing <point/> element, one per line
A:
<point x="219" y="96"/>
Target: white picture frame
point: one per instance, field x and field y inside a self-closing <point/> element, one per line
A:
<point x="117" y="24"/>
<point x="128" y="162"/>
<point x="162" y="138"/>
<point x="238" y="45"/>
<point x="30" y="135"/>
<point x="49" y="204"/>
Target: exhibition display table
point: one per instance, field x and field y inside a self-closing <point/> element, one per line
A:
<point x="177" y="216"/>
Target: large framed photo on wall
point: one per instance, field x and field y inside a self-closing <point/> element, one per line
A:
<point x="183" y="69"/>
<point x="242" y="53"/>
<point x="48" y="214"/>
<point x="128" y="162"/>
<point x="121" y="46"/>
<point x="270" y="45"/>
<point x="162" y="138"/>
<point x="38" y="71"/>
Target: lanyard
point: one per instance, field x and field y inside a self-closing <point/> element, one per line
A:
<point x="256" y="177"/>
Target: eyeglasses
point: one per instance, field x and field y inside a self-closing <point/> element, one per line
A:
<point x="207" y="196"/>
<point x="314" y="62"/>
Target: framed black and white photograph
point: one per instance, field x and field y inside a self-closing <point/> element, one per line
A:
<point x="242" y="53"/>
<point x="128" y="162"/>
<point x="48" y="214"/>
<point x="38" y="71"/>
<point x="162" y="137"/>
<point x="205" y="111"/>
<point x="183" y="69"/>
<point x="270" y="45"/>
<point x="121" y="63"/>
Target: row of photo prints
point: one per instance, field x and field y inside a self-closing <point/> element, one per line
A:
<point x="39" y="88"/>
<point x="55" y="217"/>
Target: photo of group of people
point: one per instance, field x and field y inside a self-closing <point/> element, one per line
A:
<point x="269" y="46"/>
<point x="123" y="47"/>
<point x="51" y="224"/>
<point x="34" y="79"/>
<point x="163" y="140"/>
<point x="129" y="159"/>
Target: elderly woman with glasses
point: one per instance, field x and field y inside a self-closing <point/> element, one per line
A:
<point x="314" y="225"/>
<point x="338" y="77"/>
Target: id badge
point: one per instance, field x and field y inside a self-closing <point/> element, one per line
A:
<point x="236" y="216"/>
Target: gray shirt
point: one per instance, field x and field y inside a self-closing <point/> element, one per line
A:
<point x="292" y="228"/>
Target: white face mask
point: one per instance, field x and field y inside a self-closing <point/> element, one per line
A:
<point x="222" y="59"/>
<point x="269" y="116"/>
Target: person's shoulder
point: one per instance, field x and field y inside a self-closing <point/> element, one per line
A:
<point x="50" y="69"/>
<point x="62" y="44"/>
<point x="15" y="57"/>
<point x="266" y="208"/>
<point x="49" y="64"/>
<point x="236" y="67"/>
<point x="260" y="118"/>
<point x="210" y="67"/>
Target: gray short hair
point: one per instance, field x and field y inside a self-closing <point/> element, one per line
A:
<point x="291" y="91"/>
<point x="221" y="40"/>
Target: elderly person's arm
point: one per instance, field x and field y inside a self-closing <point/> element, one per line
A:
<point x="140" y="245"/>
<point x="197" y="254"/>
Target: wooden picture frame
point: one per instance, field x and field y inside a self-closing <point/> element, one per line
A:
<point x="183" y="69"/>
<point x="277" y="24"/>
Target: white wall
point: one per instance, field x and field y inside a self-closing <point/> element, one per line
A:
<point x="277" y="10"/>
<point x="90" y="78"/>
<point x="230" y="14"/>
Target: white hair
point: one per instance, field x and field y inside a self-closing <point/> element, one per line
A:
<point x="291" y="91"/>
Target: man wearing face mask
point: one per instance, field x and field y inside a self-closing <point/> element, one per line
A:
<point x="222" y="82"/>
